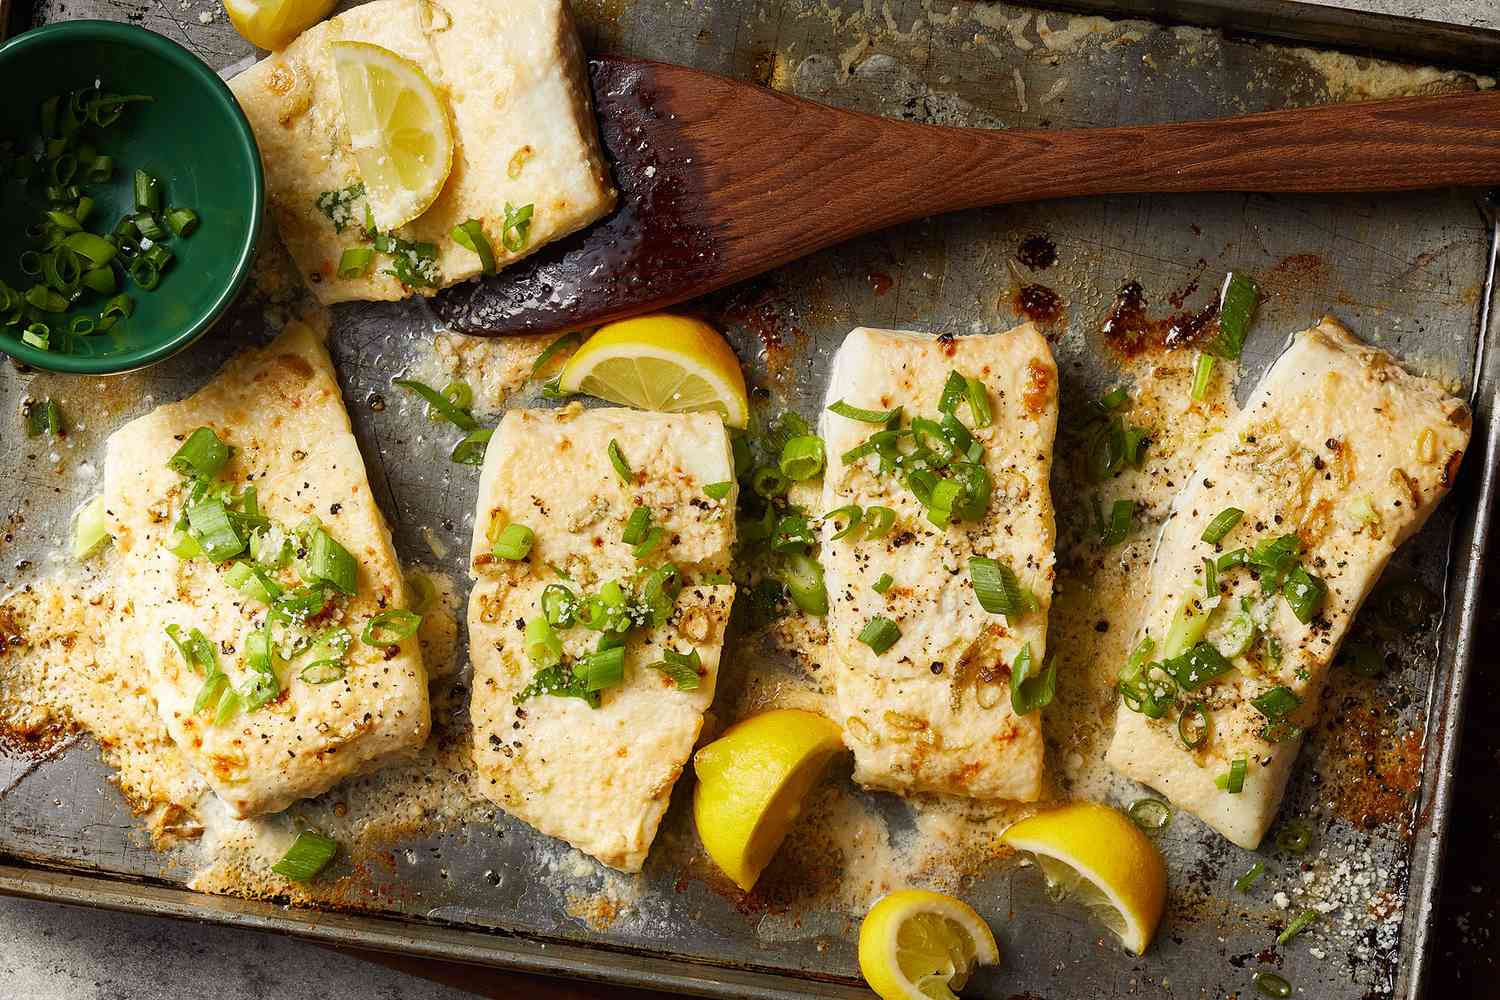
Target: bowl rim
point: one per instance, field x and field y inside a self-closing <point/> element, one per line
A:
<point x="95" y="30"/>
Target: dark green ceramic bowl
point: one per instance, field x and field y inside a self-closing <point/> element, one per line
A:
<point x="193" y="137"/>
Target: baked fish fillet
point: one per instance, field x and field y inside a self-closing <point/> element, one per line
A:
<point x="599" y="778"/>
<point x="280" y="409"/>
<point x="933" y="713"/>
<point x="524" y="134"/>
<point x="1343" y="449"/>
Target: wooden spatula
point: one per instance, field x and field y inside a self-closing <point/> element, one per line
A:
<point x="721" y="180"/>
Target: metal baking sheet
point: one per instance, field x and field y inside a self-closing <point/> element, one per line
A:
<point x="1411" y="272"/>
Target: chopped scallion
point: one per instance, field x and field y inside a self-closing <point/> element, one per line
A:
<point x="685" y="669"/>
<point x="470" y="235"/>
<point x="801" y="457"/>
<point x="1031" y="691"/>
<point x="1221" y="525"/>
<point x="440" y="404"/>
<point x="329" y="562"/>
<point x="996" y="586"/>
<point x="1151" y="815"/>
<point x="203" y="454"/>
<point x="1252" y="875"/>
<point x="636" y="526"/>
<point x="1300" y="923"/>
<point x="851" y="412"/>
<point x="718" y="491"/>
<point x="883" y="584"/>
<point x="514" y="543"/>
<point x="878" y="521"/>
<point x="1233" y="781"/>
<point x="617" y="459"/>
<point x="803" y="577"/>
<point x="880" y="634"/>
<point x="307" y="856"/>
<point x="1203" y="372"/>
<point x="392" y="626"/>
<point x="355" y="262"/>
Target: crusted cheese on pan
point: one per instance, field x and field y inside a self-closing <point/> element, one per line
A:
<point x="1344" y="451"/>
<point x="933" y="712"/>
<point x="280" y="409"/>
<point x="524" y="134"/>
<point x="599" y="778"/>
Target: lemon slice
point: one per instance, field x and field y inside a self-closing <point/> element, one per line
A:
<point x="661" y="362"/>
<point x="274" y="24"/>
<point x="399" y="129"/>
<point x="751" y="783"/>
<point x="920" y="945"/>
<point x="1098" y="857"/>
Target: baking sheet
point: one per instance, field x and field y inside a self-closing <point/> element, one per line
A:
<point x="1406" y="271"/>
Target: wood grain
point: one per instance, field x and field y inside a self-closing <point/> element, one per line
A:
<point x="722" y="180"/>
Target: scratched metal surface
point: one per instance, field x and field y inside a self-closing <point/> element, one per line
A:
<point x="1407" y="272"/>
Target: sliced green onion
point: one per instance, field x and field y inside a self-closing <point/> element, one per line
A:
<point x="183" y="221"/>
<point x="803" y="577"/>
<point x="514" y="543"/>
<point x="718" y="491"/>
<point x="1233" y="781"/>
<point x="149" y="228"/>
<point x="883" y="584"/>
<point x="1210" y="578"/>
<point x="147" y="192"/>
<point x="459" y="393"/>
<point x="99" y="169"/>
<point x="95" y="249"/>
<point x="1222" y="524"/>
<point x="471" y="450"/>
<point x="650" y="543"/>
<point x="617" y="459"/>
<point x="307" y="856"/>
<point x="144" y="273"/>
<point x="517" y="227"/>
<point x="996" y="586"/>
<point x="979" y="403"/>
<point x="1237" y="300"/>
<point x="1195" y="727"/>
<point x="1270" y="984"/>
<point x="1203" y="372"/>
<point x="43" y="298"/>
<point x="1305" y="593"/>
<point x="955" y="387"/>
<point x="1251" y="876"/>
<point x="802" y="457"/>
<point x="254" y="582"/>
<point x="1229" y="560"/>
<point x="470" y="235"/>
<point x="203" y="454"/>
<point x="944" y="496"/>
<point x="543" y="647"/>
<point x="1276" y="703"/>
<point x="1121" y="520"/>
<point x="43" y="417"/>
<point x="1294" y="836"/>
<point x="436" y="401"/>
<point x="1115" y="398"/>
<point x="850" y="412"/>
<point x="1300" y="923"/>
<point x="90" y="528"/>
<point x="211" y="692"/>
<point x="119" y="307"/>
<point x="767" y="482"/>
<point x="392" y="626"/>
<point x="880" y="634"/>
<point x="323" y="672"/>
<point x="636" y="526"/>
<point x="603" y="668"/>
<point x="1364" y="659"/>
<point x="1195" y="668"/>
<point x="214" y="530"/>
<point x="1105" y="452"/>
<point x="329" y="562"/>
<point x="850" y="514"/>
<point x="559" y="605"/>
<point x="659" y="592"/>
<point x="1031" y="692"/>
<point x="355" y="262"/>
<point x="101" y="280"/>
<point x="685" y="669"/>
<point x="554" y="349"/>
<point x="878" y="521"/>
<point x="1151" y="815"/>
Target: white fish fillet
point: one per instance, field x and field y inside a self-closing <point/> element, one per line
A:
<point x="524" y="132"/>
<point x="598" y="778"/>
<point x="933" y="713"/>
<point x="280" y="408"/>
<point x="1341" y="446"/>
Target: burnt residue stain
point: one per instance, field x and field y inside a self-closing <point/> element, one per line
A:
<point x="1192" y="328"/>
<point x="1038" y="303"/>
<point x="652" y="248"/>
<point x="1037" y="253"/>
<point x="880" y="282"/>
<point x="1373" y="760"/>
<point x="1130" y="329"/>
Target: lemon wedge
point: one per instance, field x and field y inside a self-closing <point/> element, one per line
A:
<point x="751" y="783"/>
<point x="920" y="945"/>
<point x="661" y="362"/>
<point x="399" y="130"/>
<point x="274" y="24"/>
<point x="1097" y="856"/>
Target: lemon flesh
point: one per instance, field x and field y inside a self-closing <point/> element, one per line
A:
<point x="398" y="129"/>
<point x="751" y="784"/>
<point x="661" y="362"/>
<point x="920" y="945"/>
<point x="1096" y="856"/>
<point x="275" y="24"/>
